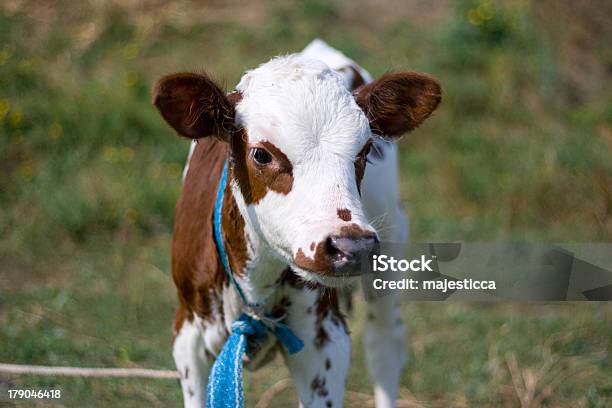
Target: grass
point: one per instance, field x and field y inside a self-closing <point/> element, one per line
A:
<point x="520" y="149"/>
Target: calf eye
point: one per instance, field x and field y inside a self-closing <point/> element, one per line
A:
<point x="261" y="156"/>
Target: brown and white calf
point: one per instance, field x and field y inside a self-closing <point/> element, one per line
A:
<point x="298" y="132"/>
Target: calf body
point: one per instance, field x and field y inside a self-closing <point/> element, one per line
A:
<point x="296" y="213"/>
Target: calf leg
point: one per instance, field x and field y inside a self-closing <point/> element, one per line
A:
<point x="384" y="340"/>
<point x="319" y="371"/>
<point x="193" y="363"/>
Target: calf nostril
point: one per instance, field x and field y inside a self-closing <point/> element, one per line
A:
<point x="349" y="246"/>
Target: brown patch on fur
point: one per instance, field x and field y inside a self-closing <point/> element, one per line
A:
<point x="399" y="102"/>
<point x="240" y="170"/>
<point x="312" y="245"/>
<point x="344" y="214"/>
<point x="255" y="180"/>
<point x="234" y="237"/>
<point x="327" y="307"/>
<point x="278" y="176"/>
<point x="319" y="263"/>
<point x="197" y="270"/>
<point x="355" y="231"/>
<point x="318" y="386"/>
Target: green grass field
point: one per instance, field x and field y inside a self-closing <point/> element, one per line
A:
<point x="520" y="149"/>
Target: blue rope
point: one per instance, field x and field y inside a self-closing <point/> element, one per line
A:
<point x="219" y="234"/>
<point x="225" y="379"/>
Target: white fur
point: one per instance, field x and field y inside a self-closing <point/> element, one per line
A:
<point x="304" y="108"/>
<point x="192" y="362"/>
<point x="310" y="363"/>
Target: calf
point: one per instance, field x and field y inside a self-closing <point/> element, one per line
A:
<point x="298" y="132"/>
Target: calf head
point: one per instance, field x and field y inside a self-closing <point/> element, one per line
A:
<point x="298" y="141"/>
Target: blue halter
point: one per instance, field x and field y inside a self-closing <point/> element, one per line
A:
<point x="225" y="379"/>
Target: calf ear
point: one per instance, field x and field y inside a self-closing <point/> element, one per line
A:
<point x="399" y="102"/>
<point x="194" y="105"/>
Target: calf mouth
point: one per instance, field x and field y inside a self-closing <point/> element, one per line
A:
<point x="336" y="280"/>
<point x="339" y="274"/>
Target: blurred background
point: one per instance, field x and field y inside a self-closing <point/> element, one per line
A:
<point x="520" y="149"/>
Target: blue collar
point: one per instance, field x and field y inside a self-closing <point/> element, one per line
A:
<point x="219" y="235"/>
<point x="225" y="379"/>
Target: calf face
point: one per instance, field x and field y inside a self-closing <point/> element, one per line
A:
<point x="299" y="140"/>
